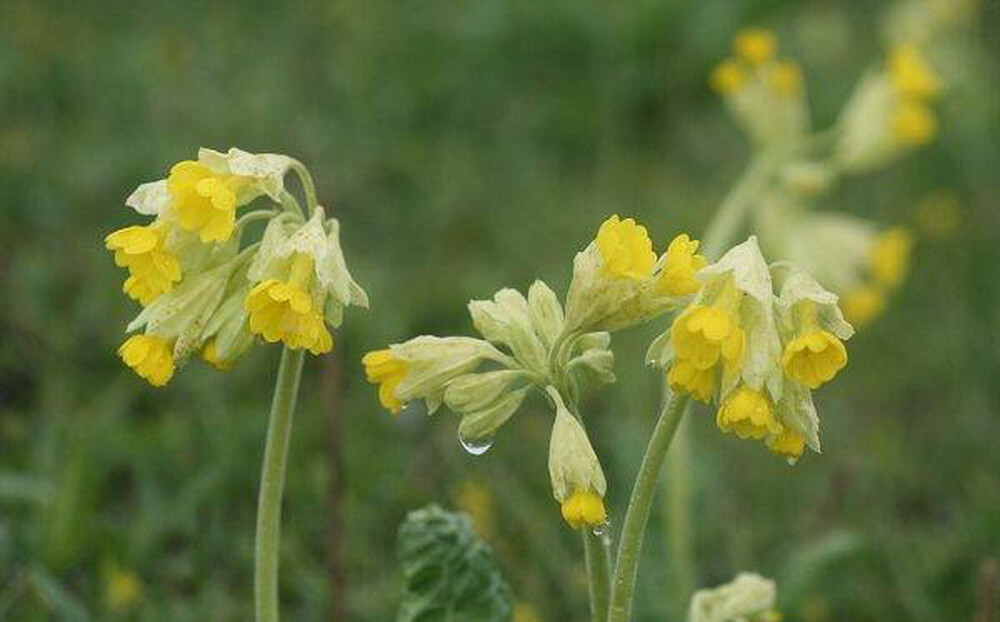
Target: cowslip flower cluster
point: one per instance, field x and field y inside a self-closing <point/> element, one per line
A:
<point x="203" y="290"/>
<point x="532" y="343"/>
<point x="888" y="115"/>
<point x="890" y="112"/>
<point x="764" y="93"/>
<point x="756" y="339"/>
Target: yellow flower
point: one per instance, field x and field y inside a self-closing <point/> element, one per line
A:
<point x="152" y="269"/>
<point x="755" y="45"/>
<point x="913" y="123"/>
<point x="703" y="334"/>
<point x="787" y="443"/>
<point x="786" y="78"/>
<point x="382" y="367"/>
<point x="204" y="201"/>
<point x="625" y="248"/>
<point x="863" y="304"/>
<point x="911" y="74"/>
<point x="680" y="265"/>
<point x="814" y="358"/>
<point x="684" y="377"/>
<point x="727" y="77"/>
<point x="285" y="310"/>
<point x="584" y="508"/>
<point x="748" y="414"/>
<point x="890" y="257"/>
<point x="124" y="589"/>
<point x="209" y="354"/>
<point x="150" y="357"/>
<point x="526" y="612"/>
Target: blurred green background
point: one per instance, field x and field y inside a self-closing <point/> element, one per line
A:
<point x="465" y="146"/>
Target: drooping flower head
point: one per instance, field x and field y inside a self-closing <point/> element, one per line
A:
<point x="578" y="482"/>
<point x="301" y="283"/>
<point x="756" y="354"/>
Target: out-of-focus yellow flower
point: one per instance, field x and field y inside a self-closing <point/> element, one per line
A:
<point x="789" y="444"/>
<point x="526" y="612"/>
<point x="755" y="45"/>
<point x="204" y="201"/>
<point x="863" y="304"/>
<point x="680" y="264"/>
<point x="476" y="500"/>
<point x="584" y="508"/>
<point x="152" y="269"/>
<point x="890" y="256"/>
<point x="123" y="591"/>
<point x="814" y="357"/>
<point x="786" y="78"/>
<point x="727" y="77"/>
<point x="625" y="248"/>
<point x="285" y="310"/>
<point x="150" y="357"/>
<point x="387" y="371"/>
<point x="911" y="74"/>
<point x="913" y="123"/>
<point x="939" y="215"/>
<point x="748" y="414"/>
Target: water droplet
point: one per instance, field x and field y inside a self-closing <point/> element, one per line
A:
<point x="600" y="530"/>
<point x="476" y="446"/>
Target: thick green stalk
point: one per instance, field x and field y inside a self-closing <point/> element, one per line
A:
<point x="598" y="560"/>
<point x="729" y="218"/>
<point x="634" y="527"/>
<point x="272" y="484"/>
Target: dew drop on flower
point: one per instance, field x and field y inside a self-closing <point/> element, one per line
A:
<point x="600" y="530"/>
<point x="476" y="446"/>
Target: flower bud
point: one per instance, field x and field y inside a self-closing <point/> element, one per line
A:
<point x="506" y="320"/>
<point x="747" y="597"/>
<point x="578" y="482"/>
<point x="485" y="401"/>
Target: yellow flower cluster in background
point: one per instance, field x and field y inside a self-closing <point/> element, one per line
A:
<point x="203" y="290"/>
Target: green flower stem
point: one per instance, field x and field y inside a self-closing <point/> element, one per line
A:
<point x="725" y="225"/>
<point x="272" y="484"/>
<point x="308" y="185"/>
<point x="598" y="560"/>
<point x="634" y="528"/>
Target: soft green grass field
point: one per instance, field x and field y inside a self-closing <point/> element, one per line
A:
<point x="464" y="147"/>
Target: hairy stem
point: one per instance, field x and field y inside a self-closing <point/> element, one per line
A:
<point x="272" y="484"/>
<point x="729" y="218"/>
<point x="598" y="560"/>
<point x="308" y="185"/>
<point x="634" y="528"/>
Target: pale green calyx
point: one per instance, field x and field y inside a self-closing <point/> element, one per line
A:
<point x="432" y="362"/>
<point x="597" y="301"/>
<point x="485" y="401"/>
<point x="573" y="465"/>
<point x="183" y="313"/>
<point x="746" y="598"/>
<point x="745" y="269"/>
<point x="797" y="286"/>
<point x="506" y="320"/>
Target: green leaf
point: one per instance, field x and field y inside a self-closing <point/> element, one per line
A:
<point x="450" y="573"/>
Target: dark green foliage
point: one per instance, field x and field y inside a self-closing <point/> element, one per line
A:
<point x="450" y="572"/>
